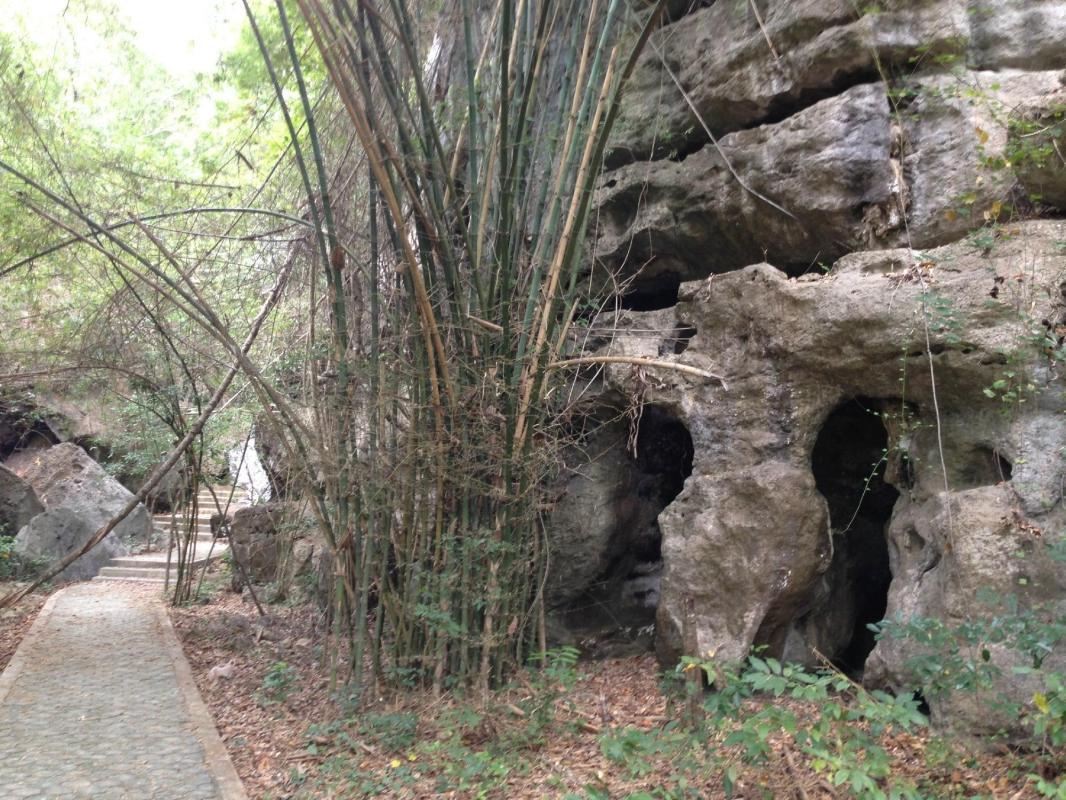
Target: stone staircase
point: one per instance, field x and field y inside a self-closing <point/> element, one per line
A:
<point x="152" y="567"/>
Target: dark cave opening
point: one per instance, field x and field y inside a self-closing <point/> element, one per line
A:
<point x="664" y="451"/>
<point x="983" y="466"/>
<point x="617" y="611"/>
<point x="849" y="460"/>
<point x="652" y="295"/>
<point x="23" y="429"/>
<point x="682" y="336"/>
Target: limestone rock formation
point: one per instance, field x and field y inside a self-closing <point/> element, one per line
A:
<point x="904" y="123"/>
<point x="66" y="479"/>
<point x="22" y="426"/>
<point x="822" y="165"/>
<point x="840" y="205"/>
<point x="18" y="502"/>
<point x="604" y="539"/>
<point x="305" y="570"/>
<point x="278" y="542"/>
<point x="31" y="421"/>
<point x="1037" y="145"/>
<point x="953" y="466"/>
<point x="739" y="73"/>
<point x="281" y="471"/>
<point x="840" y="175"/>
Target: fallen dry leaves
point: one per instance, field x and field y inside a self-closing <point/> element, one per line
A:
<point x="279" y="759"/>
<point x="265" y="739"/>
<point x="15" y="621"/>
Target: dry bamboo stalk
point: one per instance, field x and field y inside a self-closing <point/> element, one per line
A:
<point x="548" y="297"/>
<point x="358" y="115"/>
<point x="571" y="125"/>
<point x="639" y="361"/>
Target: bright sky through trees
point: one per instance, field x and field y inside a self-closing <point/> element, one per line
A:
<point x="185" y="37"/>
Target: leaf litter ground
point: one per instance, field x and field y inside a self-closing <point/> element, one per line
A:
<point x="607" y="735"/>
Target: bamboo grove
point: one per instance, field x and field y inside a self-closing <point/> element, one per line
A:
<point x="447" y="171"/>
<point x="482" y="129"/>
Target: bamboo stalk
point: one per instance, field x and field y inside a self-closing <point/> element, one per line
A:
<point x="638" y="361"/>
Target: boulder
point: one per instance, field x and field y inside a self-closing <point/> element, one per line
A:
<point x="65" y="477"/>
<point x="18" y="502"/>
<point x="280" y="542"/>
<point x="254" y="535"/>
<point x="954" y="467"/>
<point x="61" y="530"/>
<point x="37" y="420"/>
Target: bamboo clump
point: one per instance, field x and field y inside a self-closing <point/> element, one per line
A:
<point x="476" y="200"/>
<point x="444" y="270"/>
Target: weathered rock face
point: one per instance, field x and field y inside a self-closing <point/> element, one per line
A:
<point x="305" y="571"/>
<point x="277" y="542"/>
<point x="18" y="502"/>
<point x="738" y="73"/>
<point x="22" y="427"/>
<point x="893" y="427"/>
<point x="604" y="548"/>
<point x="274" y="458"/>
<point x="254" y="536"/>
<point x="1037" y="146"/>
<point x="66" y="478"/>
<point x="829" y="161"/>
<point x="841" y="477"/>
<point x="31" y="421"/>
<point x="837" y="130"/>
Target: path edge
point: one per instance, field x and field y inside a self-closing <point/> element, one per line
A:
<point x="216" y="756"/>
<point x="17" y="663"/>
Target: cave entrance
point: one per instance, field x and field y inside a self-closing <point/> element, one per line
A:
<point x="652" y="295"/>
<point x="849" y="460"/>
<point x="617" y="611"/>
<point x="22" y="427"/>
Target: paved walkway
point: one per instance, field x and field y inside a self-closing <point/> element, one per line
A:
<point x="99" y="703"/>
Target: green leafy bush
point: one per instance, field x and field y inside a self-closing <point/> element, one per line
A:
<point x="14" y="567"/>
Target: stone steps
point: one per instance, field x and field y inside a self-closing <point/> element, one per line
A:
<point x="152" y="567"/>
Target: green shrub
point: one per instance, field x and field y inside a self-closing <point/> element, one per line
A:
<point x="14" y="567"/>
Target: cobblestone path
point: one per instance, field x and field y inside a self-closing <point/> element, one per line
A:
<point x="96" y="709"/>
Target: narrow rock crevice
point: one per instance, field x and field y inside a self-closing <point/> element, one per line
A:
<point x="849" y="460"/>
<point x="785" y="106"/>
<point x="615" y="614"/>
